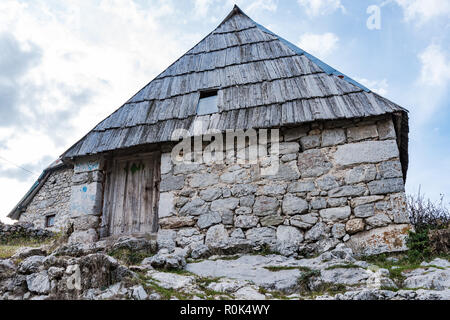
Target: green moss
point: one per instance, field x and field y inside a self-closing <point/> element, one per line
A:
<point x="343" y="266"/>
<point x="280" y="268"/>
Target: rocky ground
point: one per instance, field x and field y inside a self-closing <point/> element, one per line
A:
<point x="111" y="271"/>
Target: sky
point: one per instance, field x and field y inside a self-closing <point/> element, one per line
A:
<point x="66" y="65"/>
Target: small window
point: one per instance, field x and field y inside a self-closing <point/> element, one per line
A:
<point x="207" y="104"/>
<point x="50" y="221"/>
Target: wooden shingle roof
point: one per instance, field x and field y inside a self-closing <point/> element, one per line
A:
<point x="263" y="81"/>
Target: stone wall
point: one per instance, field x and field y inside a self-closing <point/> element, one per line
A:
<point x="22" y="230"/>
<point x="338" y="181"/>
<point x="52" y="199"/>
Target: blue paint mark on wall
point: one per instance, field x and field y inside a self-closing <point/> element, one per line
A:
<point x="84" y="189"/>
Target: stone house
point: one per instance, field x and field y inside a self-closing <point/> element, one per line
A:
<point x="342" y="156"/>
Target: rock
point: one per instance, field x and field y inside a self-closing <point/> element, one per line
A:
<point x="300" y="186"/>
<point x="168" y="261"/>
<point x="429" y="278"/>
<point x="227" y="285"/>
<point x="238" y="233"/>
<point x="166" y="239"/>
<point x="318" y="203"/>
<point x="387" y="239"/>
<point x="211" y="194"/>
<point x="293" y="205"/>
<point x="25" y="252"/>
<point x="295" y="134"/>
<point x="380" y="279"/>
<point x="249" y="293"/>
<point x="364" y="200"/>
<point x="361" y="173"/>
<point x="390" y="169"/>
<point x="200" y="251"/>
<point x="188" y="237"/>
<point x="338" y="230"/>
<point x="7" y="268"/>
<point x="186" y="167"/>
<point x="347" y="276"/>
<point x="223" y="205"/>
<point x="195" y="207"/>
<point x="171" y="183"/>
<point x="243" y="210"/>
<point x="139" y="293"/>
<point x="318" y="232"/>
<point x="209" y="219"/>
<point x="386" y="186"/>
<point x="176" y="222"/>
<point x="263" y="235"/>
<point x="313" y="163"/>
<point x="335" y="214"/>
<point x="362" y="133"/>
<point x="348" y="191"/>
<point x="203" y="180"/>
<point x="265" y="206"/>
<point x="135" y="244"/>
<point x="31" y="264"/>
<point x="288" y="148"/>
<point x="55" y="272"/>
<point x="88" y="236"/>
<point x="38" y="282"/>
<point x="310" y="142"/>
<point x="305" y="221"/>
<point x="166" y="205"/>
<point x="246" y="221"/>
<point x="247" y="201"/>
<point x="289" y="157"/>
<point x="366" y="152"/>
<point x="364" y="211"/>
<point x="238" y="176"/>
<point x="354" y="226"/>
<point x="332" y="137"/>
<point x="378" y="220"/>
<point x="286" y="172"/>
<point x="166" y="163"/>
<point x="327" y="183"/>
<point x="272" y="190"/>
<point x="271" y="221"/>
<point x="172" y="281"/>
<point x="386" y="130"/>
<point x="85" y="222"/>
<point x="288" y="240"/>
<point x="216" y="235"/>
<point x="437" y="262"/>
<point x="241" y="190"/>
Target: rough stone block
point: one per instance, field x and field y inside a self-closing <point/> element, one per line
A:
<point x="310" y="142"/>
<point x="176" y="222"/>
<point x="294" y="205"/>
<point x="246" y="221"/>
<point x="301" y="186"/>
<point x="387" y="239"/>
<point x="166" y="205"/>
<point x="335" y="214"/>
<point x="288" y="148"/>
<point x="295" y="134"/>
<point x="87" y="236"/>
<point x="379" y="220"/>
<point x="386" y="186"/>
<point x="195" y="207"/>
<point x="313" y="163"/>
<point x="203" y="180"/>
<point x="332" y="137"/>
<point x="171" y="183"/>
<point x="86" y="199"/>
<point x="166" y="163"/>
<point x="366" y="152"/>
<point x="361" y="133"/>
<point x="386" y="130"/>
<point x="265" y="206"/>
<point x="271" y="221"/>
<point x="354" y="226"/>
<point x="390" y="169"/>
<point x="361" y="173"/>
<point x="347" y="191"/>
<point x="364" y="211"/>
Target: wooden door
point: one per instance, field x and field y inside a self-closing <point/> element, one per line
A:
<point x="131" y="196"/>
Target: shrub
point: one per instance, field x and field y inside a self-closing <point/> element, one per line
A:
<point x="425" y="214"/>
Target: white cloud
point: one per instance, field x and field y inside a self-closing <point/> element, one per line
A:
<point x="378" y="86"/>
<point x="320" y="45"/>
<point x="258" y="5"/>
<point x="435" y="69"/>
<point x="321" y="7"/>
<point x="424" y="10"/>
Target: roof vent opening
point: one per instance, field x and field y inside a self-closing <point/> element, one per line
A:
<point x="207" y="103"/>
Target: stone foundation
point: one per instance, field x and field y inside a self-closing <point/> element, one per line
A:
<point x="337" y="182"/>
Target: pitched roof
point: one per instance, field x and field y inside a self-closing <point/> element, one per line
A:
<point x="263" y="80"/>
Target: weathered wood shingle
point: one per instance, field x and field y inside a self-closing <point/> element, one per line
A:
<point x="263" y="81"/>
